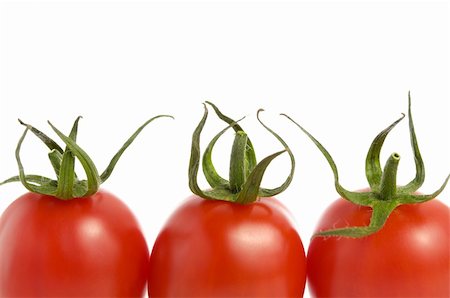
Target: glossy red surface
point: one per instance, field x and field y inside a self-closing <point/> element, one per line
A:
<point x="408" y="257"/>
<point x="85" y="247"/>
<point x="212" y="248"/>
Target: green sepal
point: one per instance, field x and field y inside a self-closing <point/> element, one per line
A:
<point x="250" y="155"/>
<point x="407" y="198"/>
<point x="35" y="179"/>
<point x="360" y="198"/>
<point x="194" y="160"/>
<point x="380" y="213"/>
<point x="211" y="175"/>
<point x="52" y="145"/>
<point x="373" y="167"/>
<point x="56" y="152"/>
<point x="93" y="179"/>
<point x="245" y="174"/>
<point x="250" y="190"/>
<point x="55" y="158"/>
<point x="384" y="194"/>
<point x="220" y="187"/>
<point x="67" y="185"/>
<point x="66" y="176"/>
<point x="418" y="180"/>
<point x="33" y="184"/>
<point x="265" y="192"/>
<point x="107" y="172"/>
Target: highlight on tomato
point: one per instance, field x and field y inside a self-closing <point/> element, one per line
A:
<point x="234" y="239"/>
<point x="66" y="237"/>
<point x="384" y="241"/>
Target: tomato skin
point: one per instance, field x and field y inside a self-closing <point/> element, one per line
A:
<point x="408" y="257"/>
<point x="212" y="248"/>
<point x="85" y="247"/>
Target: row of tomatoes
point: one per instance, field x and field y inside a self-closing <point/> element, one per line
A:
<point x="381" y="242"/>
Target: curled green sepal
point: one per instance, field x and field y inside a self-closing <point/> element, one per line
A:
<point x="211" y="175"/>
<point x="250" y="155"/>
<point x="380" y="213"/>
<point x="384" y="195"/>
<point x="373" y="167"/>
<point x="33" y="183"/>
<point x="245" y="174"/>
<point x="418" y="180"/>
<point x="264" y="192"/>
<point x="67" y="185"/>
<point x="249" y="152"/>
<point x="360" y="198"/>
<point x="56" y="152"/>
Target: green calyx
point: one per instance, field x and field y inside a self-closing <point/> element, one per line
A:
<point x="245" y="174"/>
<point x="384" y="194"/>
<point x="67" y="185"/>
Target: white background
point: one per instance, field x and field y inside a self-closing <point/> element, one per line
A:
<point x="342" y="69"/>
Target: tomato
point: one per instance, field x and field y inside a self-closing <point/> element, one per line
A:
<point x="233" y="239"/>
<point x="213" y="248"/>
<point x="84" y="247"/>
<point x="408" y="257"/>
<point x="385" y="241"/>
<point x="67" y="237"/>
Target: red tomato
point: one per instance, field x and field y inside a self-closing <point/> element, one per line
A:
<point x="214" y="248"/>
<point x="408" y="257"/>
<point x="82" y="247"/>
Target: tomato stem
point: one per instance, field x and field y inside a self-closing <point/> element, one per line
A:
<point x="238" y="168"/>
<point x="388" y="187"/>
